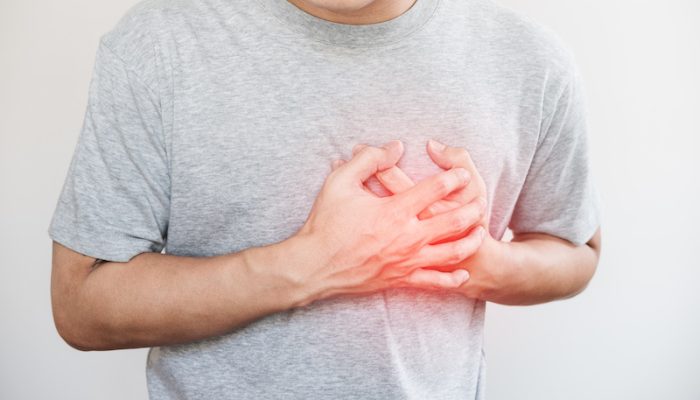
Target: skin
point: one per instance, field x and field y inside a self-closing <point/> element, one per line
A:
<point x="159" y="299"/>
<point x="354" y="12"/>
<point x="533" y="268"/>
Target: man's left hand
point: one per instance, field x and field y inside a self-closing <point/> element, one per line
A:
<point x="484" y="272"/>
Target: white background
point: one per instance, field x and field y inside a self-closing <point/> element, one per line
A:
<point x="633" y="334"/>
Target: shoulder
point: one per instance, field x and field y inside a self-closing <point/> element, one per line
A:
<point x="136" y="27"/>
<point x="140" y="35"/>
<point x="528" y="53"/>
<point x="522" y="39"/>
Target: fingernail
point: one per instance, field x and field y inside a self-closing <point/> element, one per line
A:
<point x="437" y="146"/>
<point x="392" y="143"/>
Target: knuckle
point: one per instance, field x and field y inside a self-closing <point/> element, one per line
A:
<point x="465" y="217"/>
<point x="358" y="147"/>
<point x="476" y="211"/>
<point x="474" y="214"/>
<point x="442" y="185"/>
<point x="417" y="237"/>
<point x="406" y="245"/>
<point x="463" y="249"/>
<point x="461" y="220"/>
<point x="441" y="281"/>
<point x="482" y="211"/>
<point x="335" y="182"/>
<point x="456" y="257"/>
<point x="454" y="281"/>
<point x="482" y="203"/>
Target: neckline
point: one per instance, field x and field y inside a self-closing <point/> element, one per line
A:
<point x="348" y="35"/>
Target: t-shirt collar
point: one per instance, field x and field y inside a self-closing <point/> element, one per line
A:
<point x="349" y="35"/>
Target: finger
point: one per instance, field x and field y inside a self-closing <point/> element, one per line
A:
<point x="356" y="149"/>
<point x="370" y="160"/>
<point x="449" y="253"/>
<point x="448" y="157"/>
<point x="395" y="180"/>
<point x="369" y="190"/>
<point x="393" y="185"/>
<point x="336" y="163"/>
<point x="432" y="189"/>
<point x="453" y="222"/>
<point x="432" y="279"/>
<point x="440" y="207"/>
<point x="453" y="200"/>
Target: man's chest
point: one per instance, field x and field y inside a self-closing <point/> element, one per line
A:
<point x="252" y="141"/>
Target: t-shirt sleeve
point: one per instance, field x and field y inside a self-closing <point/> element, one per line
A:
<point x="559" y="196"/>
<point x="114" y="203"/>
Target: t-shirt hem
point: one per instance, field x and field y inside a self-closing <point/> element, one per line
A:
<point x="100" y="252"/>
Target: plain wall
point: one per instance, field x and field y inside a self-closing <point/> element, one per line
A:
<point x="633" y="334"/>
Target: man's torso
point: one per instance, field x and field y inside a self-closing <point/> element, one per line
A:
<point x="254" y="112"/>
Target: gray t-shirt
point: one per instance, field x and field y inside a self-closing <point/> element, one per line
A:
<point x="212" y="124"/>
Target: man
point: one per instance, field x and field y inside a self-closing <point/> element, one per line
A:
<point x="220" y="131"/>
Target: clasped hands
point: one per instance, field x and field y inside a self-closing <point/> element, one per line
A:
<point x="432" y="234"/>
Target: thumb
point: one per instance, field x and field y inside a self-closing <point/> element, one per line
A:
<point x="371" y="160"/>
<point x="448" y="157"/>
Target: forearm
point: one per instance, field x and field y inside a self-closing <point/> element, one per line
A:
<point x="537" y="268"/>
<point x="159" y="299"/>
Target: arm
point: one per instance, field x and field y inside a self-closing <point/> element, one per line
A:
<point x="533" y="268"/>
<point x="158" y="299"/>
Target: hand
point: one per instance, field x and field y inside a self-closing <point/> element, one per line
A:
<point x="396" y="181"/>
<point x="367" y="243"/>
<point x="484" y="272"/>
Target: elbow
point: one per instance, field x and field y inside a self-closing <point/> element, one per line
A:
<point x="586" y="276"/>
<point x="81" y="330"/>
<point x="582" y="285"/>
<point x="77" y="326"/>
<point x="71" y="333"/>
<point x="591" y="265"/>
<point x="78" y="345"/>
<point x="76" y="315"/>
<point x="82" y="336"/>
<point x="69" y="325"/>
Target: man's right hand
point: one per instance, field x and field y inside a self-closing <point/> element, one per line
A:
<point x="358" y="242"/>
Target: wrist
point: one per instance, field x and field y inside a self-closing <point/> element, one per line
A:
<point x="513" y="279"/>
<point x="286" y="265"/>
<point x="495" y="271"/>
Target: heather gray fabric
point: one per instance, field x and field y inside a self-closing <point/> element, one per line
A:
<point x="212" y="124"/>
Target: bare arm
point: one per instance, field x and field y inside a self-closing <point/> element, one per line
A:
<point x="157" y="299"/>
<point x="533" y="268"/>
